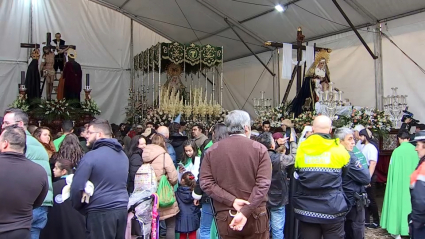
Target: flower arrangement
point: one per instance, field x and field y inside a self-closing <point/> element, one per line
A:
<point x="361" y="116"/>
<point x="380" y="122"/>
<point x="90" y="107"/>
<point x="304" y="119"/>
<point x="20" y="103"/>
<point x="274" y="115"/>
<point x="342" y="121"/>
<point x="56" y="109"/>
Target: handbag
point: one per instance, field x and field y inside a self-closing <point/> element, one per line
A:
<point x="166" y="197"/>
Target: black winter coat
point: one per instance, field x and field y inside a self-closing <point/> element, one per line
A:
<point x="63" y="221"/>
<point x="279" y="187"/>
<point x="135" y="161"/>
<point x="177" y="141"/>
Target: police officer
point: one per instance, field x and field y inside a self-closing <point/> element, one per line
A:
<point x="353" y="184"/>
<point x="319" y="201"/>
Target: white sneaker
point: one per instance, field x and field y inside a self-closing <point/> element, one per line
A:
<point x="396" y="236"/>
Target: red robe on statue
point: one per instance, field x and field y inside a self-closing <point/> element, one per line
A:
<point x="73" y="76"/>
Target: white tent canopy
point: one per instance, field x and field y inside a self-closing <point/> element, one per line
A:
<point x="106" y="41"/>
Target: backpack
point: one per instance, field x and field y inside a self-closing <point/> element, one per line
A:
<point x="145" y="179"/>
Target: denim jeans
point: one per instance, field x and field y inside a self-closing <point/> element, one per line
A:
<point x="39" y="220"/>
<point x="277" y="222"/>
<point x="206" y="221"/>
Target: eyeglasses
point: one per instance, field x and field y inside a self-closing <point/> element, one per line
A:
<point x="89" y="132"/>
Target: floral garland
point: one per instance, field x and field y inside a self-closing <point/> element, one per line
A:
<point x="160" y="118"/>
<point x="90" y="107"/>
<point x="375" y="120"/>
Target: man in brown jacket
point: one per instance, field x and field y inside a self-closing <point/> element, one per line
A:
<point x="236" y="173"/>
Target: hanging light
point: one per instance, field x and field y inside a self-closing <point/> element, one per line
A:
<point x="279" y="8"/>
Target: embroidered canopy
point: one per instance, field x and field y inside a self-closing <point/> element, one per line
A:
<point x="191" y="57"/>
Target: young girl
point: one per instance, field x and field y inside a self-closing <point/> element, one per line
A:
<point x="188" y="219"/>
<point x="63" y="220"/>
<point x="190" y="160"/>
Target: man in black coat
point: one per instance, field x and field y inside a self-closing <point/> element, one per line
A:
<point x="24" y="184"/>
<point x="60" y="57"/>
<point x="279" y="187"/>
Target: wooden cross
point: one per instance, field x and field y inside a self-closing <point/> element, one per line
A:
<point x="297" y="69"/>
<point x="48" y="44"/>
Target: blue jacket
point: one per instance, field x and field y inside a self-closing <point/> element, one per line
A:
<point x="106" y="166"/>
<point x="188" y="219"/>
<point x="171" y="152"/>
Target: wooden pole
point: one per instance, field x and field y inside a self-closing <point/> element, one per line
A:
<point x="300" y="39"/>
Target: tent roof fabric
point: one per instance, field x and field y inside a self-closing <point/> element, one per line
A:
<point x="318" y="18"/>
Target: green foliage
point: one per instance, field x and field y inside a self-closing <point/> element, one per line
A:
<point x="90" y="107"/>
<point x="20" y="103"/>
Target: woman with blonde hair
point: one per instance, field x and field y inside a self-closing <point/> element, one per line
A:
<point x="156" y="154"/>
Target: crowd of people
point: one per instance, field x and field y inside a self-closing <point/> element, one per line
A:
<point x="230" y="181"/>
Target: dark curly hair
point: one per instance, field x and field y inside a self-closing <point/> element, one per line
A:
<point x="71" y="149"/>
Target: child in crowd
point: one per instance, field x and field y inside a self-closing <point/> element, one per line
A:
<point x="190" y="160"/>
<point x="63" y="220"/>
<point x="188" y="219"/>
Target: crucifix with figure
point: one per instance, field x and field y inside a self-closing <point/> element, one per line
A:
<point x="52" y="61"/>
<point x="299" y="47"/>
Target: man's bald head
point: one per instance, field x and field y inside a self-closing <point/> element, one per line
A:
<point x="322" y="124"/>
<point x="164" y="131"/>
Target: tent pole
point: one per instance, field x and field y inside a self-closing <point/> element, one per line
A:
<point x="274" y="79"/>
<point x="153" y="78"/>
<point x="159" y="74"/>
<point x="354" y="29"/>
<point x="379" y="81"/>
<point x="30" y="32"/>
<point x="132" y="56"/>
<point x="148" y="78"/>
<point x="278" y="74"/>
